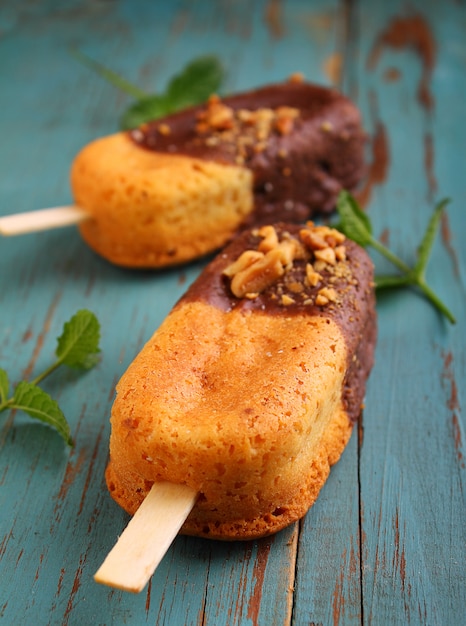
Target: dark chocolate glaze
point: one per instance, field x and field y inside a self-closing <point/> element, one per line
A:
<point x="297" y="174"/>
<point x="354" y="311"/>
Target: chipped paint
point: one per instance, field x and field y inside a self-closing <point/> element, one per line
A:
<point x="338" y="600"/>
<point x="392" y="75"/>
<point x="453" y="404"/>
<point x="333" y="67"/>
<point x="148" y="594"/>
<point x="449" y="376"/>
<point x="412" y="33"/>
<point x="74" y="590"/>
<point x="446" y="238"/>
<point x="379" y="164"/>
<point x="273" y="18"/>
<point x="429" y="160"/>
<point x="73" y="468"/>
<point x="90" y="471"/>
<point x="260" y="564"/>
<point x="385" y="237"/>
<point x="41" y="337"/>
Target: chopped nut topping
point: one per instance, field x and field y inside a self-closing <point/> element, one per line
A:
<point x="213" y="140"/>
<point x="320" y="251"/>
<point x="296" y="77"/>
<point x="312" y="276"/>
<point x="287" y="251"/>
<point x="164" y="129"/>
<point x="312" y="239"/>
<point x="244" y="261"/>
<point x="319" y="265"/>
<point x="296" y="287"/>
<point x="327" y="255"/>
<point x="217" y="115"/>
<point x="246" y="116"/>
<point x="243" y="129"/>
<point x="284" y="119"/>
<point x="260" y="147"/>
<point x="340" y="253"/>
<point x="270" y="238"/>
<point x="259" y="275"/>
<point x="287" y="300"/>
<point x="328" y="293"/>
<point x="321" y="300"/>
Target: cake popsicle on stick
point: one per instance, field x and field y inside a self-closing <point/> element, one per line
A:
<point x="181" y="187"/>
<point x="248" y="391"/>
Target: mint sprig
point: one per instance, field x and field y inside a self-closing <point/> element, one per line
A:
<point x="356" y="225"/>
<point x="193" y="85"/>
<point x="77" y="347"/>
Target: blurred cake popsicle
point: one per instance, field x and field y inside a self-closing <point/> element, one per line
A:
<point x="181" y="187"/>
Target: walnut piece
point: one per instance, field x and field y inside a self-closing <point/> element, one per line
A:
<point x="242" y="262"/>
<point x="259" y="275"/>
<point x="320" y="247"/>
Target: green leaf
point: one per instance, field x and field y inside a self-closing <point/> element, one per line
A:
<point x="425" y="247"/>
<point x="387" y="282"/>
<point x="145" y="110"/>
<point x="199" y="80"/>
<point x="38" y="404"/>
<point x="354" y="223"/>
<point x="195" y="83"/>
<point x="78" y="346"/>
<point x="4" y="386"/>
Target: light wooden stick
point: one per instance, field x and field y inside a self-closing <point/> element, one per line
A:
<point x="45" y="219"/>
<point x="145" y="540"/>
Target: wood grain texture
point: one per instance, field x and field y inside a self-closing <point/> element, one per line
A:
<point x="386" y="541"/>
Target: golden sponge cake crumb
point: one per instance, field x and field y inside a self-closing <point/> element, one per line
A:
<point x="236" y="414"/>
<point x="151" y="209"/>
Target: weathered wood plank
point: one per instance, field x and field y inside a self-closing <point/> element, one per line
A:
<point x="328" y="584"/>
<point x="385" y="542"/>
<point x="412" y="474"/>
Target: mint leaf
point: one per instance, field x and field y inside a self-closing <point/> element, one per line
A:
<point x="78" y="346"/>
<point x="199" y="80"/>
<point x="4" y="386"/>
<point x="387" y="282"/>
<point x="354" y="223"/>
<point x="426" y="244"/>
<point x="38" y="404"/>
<point x="144" y="110"/>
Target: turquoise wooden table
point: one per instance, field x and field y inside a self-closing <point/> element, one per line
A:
<point x="386" y="541"/>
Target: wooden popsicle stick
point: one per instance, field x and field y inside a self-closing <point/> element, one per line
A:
<point x="145" y="540"/>
<point x="44" y="219"/>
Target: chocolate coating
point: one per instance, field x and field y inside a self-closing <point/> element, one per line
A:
<point x="354" y="309"/>
<point x="296" y="173"/>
